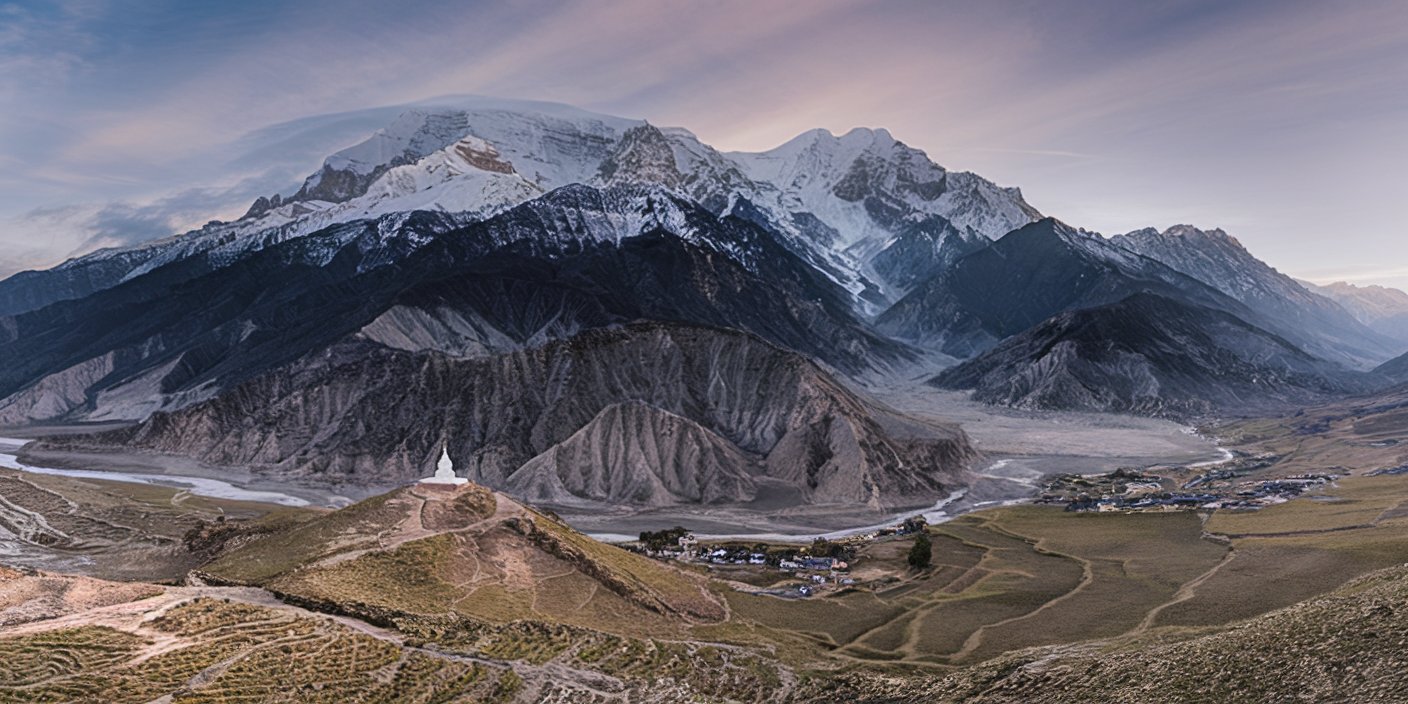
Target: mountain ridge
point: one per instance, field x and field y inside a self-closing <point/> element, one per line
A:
<point x="537" y="147"/>
<point x="1317" y="323"/>
<point x="1147" y="355"/>
<point x="1025" y="277"/>
<point x="609" y="256"/>
<point x="348" y="418"/>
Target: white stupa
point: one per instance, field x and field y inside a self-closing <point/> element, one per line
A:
<point x="444" y="471"/>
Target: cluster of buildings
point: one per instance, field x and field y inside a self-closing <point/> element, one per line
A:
<point x="823" y="563"/>
<point x="1254" y="495"/>
<point x="1164" y="502"/>
<point x="1216" y="493"/>
<point x="758" y="555"/>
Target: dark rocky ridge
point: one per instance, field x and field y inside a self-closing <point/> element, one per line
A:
<point x="1314" y="322"/>
<point x="1147" y="355"/>
<point x="1026" y="277"/>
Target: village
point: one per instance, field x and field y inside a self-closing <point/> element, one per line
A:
<point x="782" y="570"/>
<point x="1223" y="486"/>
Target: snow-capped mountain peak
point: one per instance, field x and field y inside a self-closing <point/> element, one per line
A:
<point x="1219" y="260"/>
<point x="839" y="202"/>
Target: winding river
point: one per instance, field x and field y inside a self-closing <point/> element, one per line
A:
<point x="200" y="486"/>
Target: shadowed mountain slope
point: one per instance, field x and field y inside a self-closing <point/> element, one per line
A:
<point x="1026" y="277"/>
<point x="1315" y="322"/>
<point x="575" y="259"/>
<point x="1148" y="355"/>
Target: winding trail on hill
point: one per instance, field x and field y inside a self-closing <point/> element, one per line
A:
<point x="404" y="532"/>
<point x="975" y="639"/>
<point x="926" y="604"/>
<point x="1184" y="593"/>
<point x="909" y="647"/>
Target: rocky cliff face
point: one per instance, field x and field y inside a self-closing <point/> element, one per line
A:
<point x="725" y="405"/>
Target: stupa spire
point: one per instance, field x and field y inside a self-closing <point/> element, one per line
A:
<point x="444" y="469"/>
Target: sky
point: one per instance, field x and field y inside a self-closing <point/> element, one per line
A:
<point x="1284" y="122"/>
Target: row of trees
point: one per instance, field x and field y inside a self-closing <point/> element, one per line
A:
<point x="662" y="539"/>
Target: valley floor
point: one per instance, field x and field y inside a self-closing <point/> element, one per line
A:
<point x="1019" y="449"/>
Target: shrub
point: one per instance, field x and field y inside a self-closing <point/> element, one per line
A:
<point x="922" y="552"/>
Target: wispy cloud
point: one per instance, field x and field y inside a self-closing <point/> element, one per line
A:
<point x="1268" y="118"/>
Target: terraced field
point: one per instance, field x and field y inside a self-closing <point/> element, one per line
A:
<point x="1007" y="579"/>
<point x="224" y="644"/>
<point x="214" y="650"/>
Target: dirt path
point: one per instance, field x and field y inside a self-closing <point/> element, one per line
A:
<point x="1087" y="577"/>
<point x="1294" y="533"/>
<point x="413" y="527"/>
<point x="1184" y="593"/>
<point x="927" y="603"/>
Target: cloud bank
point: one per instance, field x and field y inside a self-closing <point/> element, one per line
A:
<point x="1282" y="122"/>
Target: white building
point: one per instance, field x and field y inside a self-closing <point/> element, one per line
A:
<point x="444" y="471"/>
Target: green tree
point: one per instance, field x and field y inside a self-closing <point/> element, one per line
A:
<point x="921" y="553"/>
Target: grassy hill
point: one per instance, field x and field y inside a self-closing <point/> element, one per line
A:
<point x="427" y="550"/>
